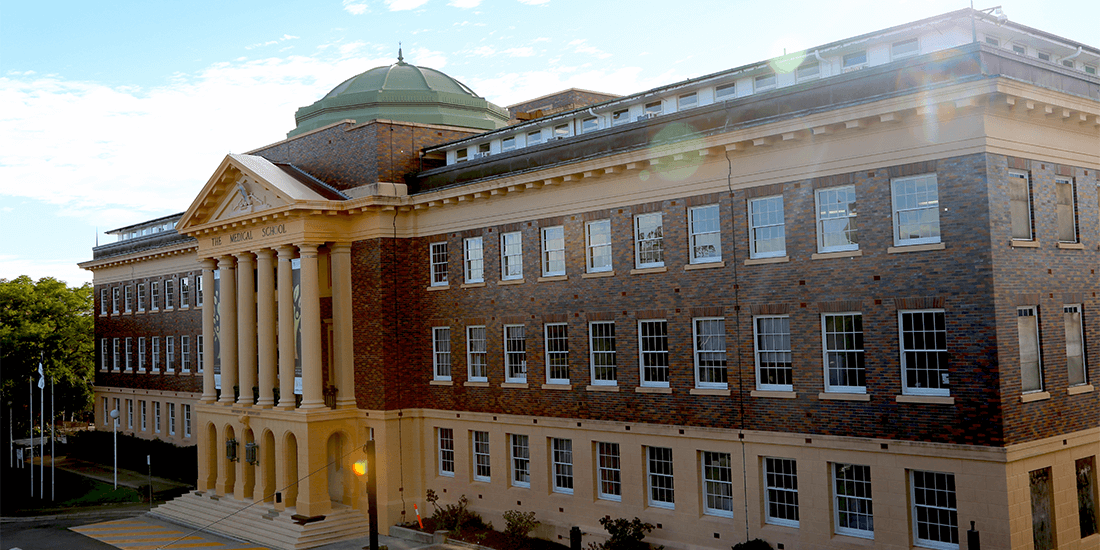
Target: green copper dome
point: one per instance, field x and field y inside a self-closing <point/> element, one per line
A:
<point x="401" y="92"/>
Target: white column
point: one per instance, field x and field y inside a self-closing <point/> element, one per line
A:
<point x="340" y="254"/>
<point x="312" y="379"/>
<point x="265" y="325"/>
<point x="246" y="328"/>
<point x="287" y="344"/>
<point x="209" y="392"/>
<point x="227" y="310"/>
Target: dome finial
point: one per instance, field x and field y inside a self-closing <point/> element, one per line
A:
<point x="400" y="58"/>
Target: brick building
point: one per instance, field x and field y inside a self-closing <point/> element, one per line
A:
<point x="843" y="298"/>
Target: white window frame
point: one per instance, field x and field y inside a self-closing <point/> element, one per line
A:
<point x="601" y="230"/>
<point x="776" y="350"/>
<point x="609" y="478"/>
<point x="856" y="353"/>
<point x="462" y="155"/>
<point x="156" y="416"/>
<point x="437" y="259"/>
<point x="128" y="292"/>
<point x="706" y="347"/>
<point x="103" y="363"/>
<point x="520" y="455"/>
<point x="852" y="60"/>
<point x="1018" y="49"/>
<point x="473" y="260"/>
<point x="508" y="143"/>
<point x="154" y="295"/>
<point x="441" y="358"/>
<point x="185" y="292"/>
<point x="185" y="353"/>
<point x="144" y="415"/>
<point x="894" y="55"/>
<point x="169" y="353"/>
<point x="554" y="352"/>
<point x="476" y="354"/>
<point x="851" y="488"/>
<point x="1030" y="204"/>
<point x="926" y="208"/>
<point x="926" y="335"/>
<point x="1032" y="311"/>
<point x="690" y="104"/>
<point x="169" y="294"/>
<point x="156" y="353"/>
<point x="117" y="360"/>
<point x="1070" y="310"/>
<point x="725" y="91"/>
<point x="590" y="125"/>
<point x="141" y="353"/>
<point x="804" y="73"/>
<point x="511" y="256"/>
<point x="116" y="294"/>
<point x="515" y="354"/>
<point x="129" y="414"/>
<point x="775" y="474"/>
<point x="763" y="220"/>
<point x="534" y="138"/>
<point x="553" y="250"/>
<point x="171" y="418"/>
<point x="602" y="380"/>
<point x="198" y="353"/>
<point x="717" y="484"/>
<point x="764" y="82"/>
<point x="482" y="461"/>
<point x="198" y="291"/>
<point x="621" y="116"/>
<point x="705" y="226"/>
<point x="652" y="337"/>
<point x="103" y="301"/>
<point x="186" y="420"/>
<point x="917" y="497"/>
<point x="1072" y="183"/>
<point x="129" y="347"/>
<point x="445" y="445"/>
<point x="561" y="459"/>
<point x="141" y="297"/>
<point x="560" y="131"/>
<point x="660" y="477"/>
<point x="827" y="218"/>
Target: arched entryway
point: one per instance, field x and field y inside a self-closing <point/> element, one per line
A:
<point x="230" y="465"/>
<point x="290" y="476"/>
<point x="211" y="455"/>
<point x="339" y="487"/>
<point x="267" y="466"/>
<point x="247" y="469"/>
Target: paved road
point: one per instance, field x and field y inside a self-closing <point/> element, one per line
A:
<point x="53" y="533"/>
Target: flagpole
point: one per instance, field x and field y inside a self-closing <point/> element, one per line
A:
<point x="53" y="440"/>
<point x="30" y="428"/>
<point x="42" y="439"/>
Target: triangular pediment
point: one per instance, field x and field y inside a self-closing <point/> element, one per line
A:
<point x="243" y="186"/>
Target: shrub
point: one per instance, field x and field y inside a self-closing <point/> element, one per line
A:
<point x="518" y="524"/>
<point x="754" y="544"/>
<point x="454" y="517"/>
<point x="625" y="534"/>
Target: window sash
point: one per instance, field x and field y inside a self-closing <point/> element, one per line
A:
<point x="187" y="420"/>
<point x="1019" y="196"/>
<point x="598" y="245"/>
<point x="141" y="297"/>
<point x="687" y="101"/>
<point x="852" y="507"/>
<point x="476" y="357"/>
<point x="1031" y="363"/>
<point x="515" y="353"/>
<point x="660" y="479"/>
<point x="438" y="259"/>
<point x="649" y="240"/>
<point x="717" y="484"/>
<point x="924" y="359"/>
<point x="1066" y="207"/>
<point x="169" y="352"/>
<point x="767" y="229"/>
<point x="842" y="336"/>
<point x="185" y="353"/>
<point x="169" y="294"/>
<point x="141" y="353"/>
<point x="916" y="206"/>
<point x="601" y="345"/>
<point x="511" y="256"/>
<point x="772" y="348"/>
<point x="935" y="510"/>
<point x="154" y="295"/>
<point x="144" y="417"/>
<point x="441" y="352"/>
<point x="557" y="353"/>
<point x="446" y="444"/>
<point x="781" y="491"/>
<point x="764" y="82"/>
<point x="610" y="474"/>
<point x="185" y="292"/>
<point x="709" y="337"/>
<point x="706" y="234"/>
<point x="562" y="460"/>
<point x="474" y="260"/>
<point x="836" y="219"/>
<point x="905" y="48"/>
<point x="171" y="419"/>
<point x="653" y="352"/>
<point x="482" y="471"/>
<point x="521" y="461"/>
<point x="1075" y="344"/>
<point x="553" y="251"/>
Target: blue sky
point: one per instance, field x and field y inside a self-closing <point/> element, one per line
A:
<point x="116" y="112"/>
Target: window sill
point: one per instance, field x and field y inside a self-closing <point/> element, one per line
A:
<point x="597" y="274"/>
<point x="925" y="399"/>
<point x="647" y="270"/>
<point x="437" y="288"/>
<point x="475" y="384"/>
<point x="472" y="285"/>
<point x="651" y="389"/>
<point x="552" y="278"/>
<point x="915" y="248"/>
<point x="833" y="255"/>
<point x="559" y="387"/>
<point x="441" y="383"/>
<point x="602" y="388"/>
<point x="709" y="391"/>
<point x="764" y="261"/>
<point x="774" y="394"/>
<point x="511" y="282"/>
<point x="1076" y="390"/>
<point x="1024" y="244"/>
<point x="704" y="265"/>
<point x="1034" y="396"/>
<point x="514" y="385"/>
<point x="1071" y="246"/>
<point x="830" y="396"/>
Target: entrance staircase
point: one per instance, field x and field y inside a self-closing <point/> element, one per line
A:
<point x="261" y="523"/>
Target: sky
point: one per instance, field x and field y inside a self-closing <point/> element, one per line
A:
<point x="113" y="113"/>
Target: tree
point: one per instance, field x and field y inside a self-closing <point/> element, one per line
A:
<point x="49" y="322"/>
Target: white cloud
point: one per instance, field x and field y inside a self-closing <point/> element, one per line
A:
<point x="525" y="51"/>
<point x="356" y="7"/>
<point x="483" y="51"/>
<point x="581" y="46"/>
<point x="289" y="37"/>
<point x="534" y="2"/>
<point x="427" y="58"/>
<point x="464" y="4"/>
<point x="402" y="5"/>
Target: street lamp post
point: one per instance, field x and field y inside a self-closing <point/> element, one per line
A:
<point x="114" y="425"/>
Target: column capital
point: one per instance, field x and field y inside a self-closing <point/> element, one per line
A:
<point x="287" y="251"/>
<point x="339" y="248"/>
<point x="265" y="253"/>
<point x="227" y="262"/>
<point x="209" y="263"/>
<point x="244" y="257"/>
<point x="308" y="249"/>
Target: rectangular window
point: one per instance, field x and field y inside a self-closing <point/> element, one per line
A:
<point x="141" y="353"/>
<point x="141" y="297"/>
<point x="483" y="150"/>
<point x="1066" y="196"/>
<point x="475" y="354"/>
<point x="598" y="245"/>
<point x="808" y="71"/>
<point x="935" y="512"/>
<point x="836" y="219"/>
<point x="562" y="459"/>
<point x="1042" y="509"/>
<point x="844" y="367"/>
<point x="706" y="234"/>
<point x="481" y="456"/>
<point x="710" y="352"/>
<point x="103" y="301"/>
<point x="156" y="352"/>
<point x="521" y="461"/>
<point x="198" y="291"/>
<point x="169" y="294"/>
<point x="992" y="41"/>
<point x="620" y="117"/>
<point x="590" y="125"/>
<point x="117" y="360"/>
<point x="115" y="299"/>
<point x="118" y="407"/>
<point x="1086" y="495"/>
<point x="659" y="477"/>
<point x="474" y="260"/>
<point x="144" y="416"/>
<point x="534" y="138"/>
<point x="649" y="240"/>
<point x="187" y="419"/>
<point x="462" y="155"/>
<point x="198" y="355"/>
<point x="169" y="353"/>
<point x="610" y="475"/>
<point x="916" y="210"/>
<point x="852" y="512"/>
<point x="1090" y="69"/>
<point x="557" y="353"/>
<point x="764" y="82"/>
<point x="561" y="131"/>
<point x="1067" y="63"/>
<point x="171" y="419"/>
<point x="767" y="230"/>
<point x="1019" y="197"/>
<point x="1031" y="366"/>
<point x="781" y="491"/>
<point x="1018" y="49"/>
<point x="905" y="48"/>
<point x="717" y="484"/>
<point x="924" y="359"/>
<point x="687" y="101"/>
<point x="508" y="144"/>
<point x="185" y="292"/>
<point x="129" y="292"/>
<point x="772" y="336"/>
<point x="156" y="416"/>
<point x="515" y="353"/>
<point x="653" y="352"/>
<point x="154" y="295"/>
<point x="103" y="364"/>
<point x="185" y="353"/>
<point x="439" y="264"/>
<point x="129" y="352"/>
<point x="726" y="91"/>
<point x="1075" y="344"/>
<point x="446" y="451"/>
<point x="855" y="59"/>
<point x="441" y="352"/>
<point x="601" y="345"/>
<point x="129" y="414"/>
<point x="106" y="413"/>
<point x="553" y="251"/>
<point x="511" y="256"/>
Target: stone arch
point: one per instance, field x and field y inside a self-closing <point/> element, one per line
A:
<point x="230" y="466"/>
<point x="341" y="477"/>
<point x="267" y="466"/>
<point x="290" y="476"/>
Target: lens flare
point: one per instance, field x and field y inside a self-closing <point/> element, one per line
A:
<point x="788" y="62"/>
<point x="360" y="467"/>
<point x="671" y="139"/>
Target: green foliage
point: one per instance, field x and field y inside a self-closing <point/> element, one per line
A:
<point x="625" y="534"/>
<point x="754" y="544"/>
<point x="48" y="322"/>
<point x="454" y="517"/>
<point x="518" y="524"/>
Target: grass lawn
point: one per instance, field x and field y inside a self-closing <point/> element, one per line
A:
<point x="70" y="491"/>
